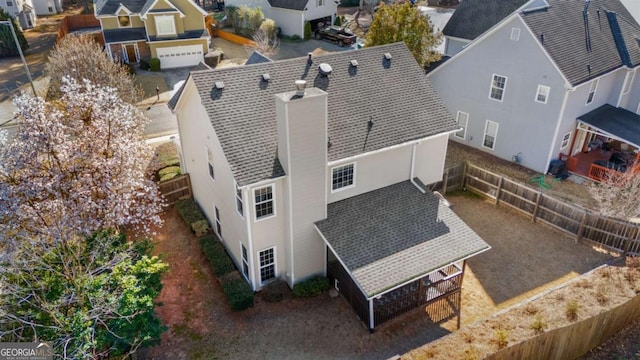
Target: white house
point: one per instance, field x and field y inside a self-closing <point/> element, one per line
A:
<point x="47" y="7"/>
<point x="552" y="80"/>
<point x="21" y="10"/>
<point x="326" y="177"/>
<point x="291" y="15"/>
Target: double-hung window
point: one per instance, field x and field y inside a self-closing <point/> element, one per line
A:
<point x="239" y="201"/>
<point x="490" y="134"/>
<point x="210" y="163"/>
<point x="592" y="91"/>
<point x="515" y="34"/>
<point x="245" y="261"/>
<point x="463" y="121"/>
<point x="342" y="177"/>
<point x="542" y="94"/>
<point x="165" y="25"/>
<point x="264" y="201"/>
<point x="267" y="265"/>
<point x="565" y="140"/>
<point x="498" y="85"/>
<point x="218" y="222"/>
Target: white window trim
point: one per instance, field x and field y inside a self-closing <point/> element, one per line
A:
<point x="515" y="34"/>
<point x="120" y="25"/>
<point x="595" y="90"/>
<point x="245" y="262"/>
<point x="218" y="223"/>
<point x="210" y="162"/>
<point x="464" y="131"/>
<point x="631" y="74"/>
<point x="344" y="187"/>
<point x="275" y="265"/>
<point x="504" y="89"/>
<point x="495" y="136"/>
<point x="164" y="17"/>
<point x="546" y="97"/>
<point x="273" y="199"/>
<point x="564" y="143"/>
<point x="236" y="190"/>
<point x="320" y="3"/>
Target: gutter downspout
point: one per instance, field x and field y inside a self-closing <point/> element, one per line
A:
<point x="557" y="130"/>
<point x="413" y="161"/>
<point x="248" y="217"/>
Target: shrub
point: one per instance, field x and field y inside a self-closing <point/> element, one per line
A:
<point x="144" y="64"/>
<point x="269" y="27"/>
<point x="312" y="287"/>
<point x="189" y="211"/>
<point x="572" y="310"/>
<point x="295" y="37"/>
<point x="169" y="170"/>
<point x="601" y="295"/>
<point x="129" y="68"/>
<point x="154" y="64"/>
<point x="200" y="228"/>
<point x="338" y="21"/>
<point x="538" y="325"/>
<point x="501" y="338"/>
<point x="168" y="177"/>
<point x="218" y="258"/>
<point x="237" y="290"/>
<point x="530" y="309"/>
<point x="307" y="30"/>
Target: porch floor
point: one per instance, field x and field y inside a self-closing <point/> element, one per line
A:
<point x="584" y="161"/>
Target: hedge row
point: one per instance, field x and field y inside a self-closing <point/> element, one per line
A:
<point x="238" y="292"/>
<point x="312" y="287"/>
<point x="189" y="211"/>
<point x="218" y="258"/>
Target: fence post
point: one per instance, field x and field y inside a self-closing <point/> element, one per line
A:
<point x="535" y="209"/>
<point x="499" y="189"/>
<point x="445" y="180"/>
<point x="464" y="176"/>
<point x="627" y="246"/>
<point x="581" y="227"/>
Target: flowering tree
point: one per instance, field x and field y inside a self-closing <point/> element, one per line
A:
<point x="90" y="298"/>
<point x="76" y="165"/>
<point x="80" y="57"/>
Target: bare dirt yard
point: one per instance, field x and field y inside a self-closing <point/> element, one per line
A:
<point x="525" y="259"/>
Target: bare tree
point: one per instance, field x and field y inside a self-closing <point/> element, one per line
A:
<point x="80" y="57"/>
<point x="618" y="194"/>
<point x="265" y="43"/>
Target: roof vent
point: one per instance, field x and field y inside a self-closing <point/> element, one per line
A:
<point x="325" y="69"/>
<point x="354" y="63"/>
<point x="309" y="56"/>
<point x="266" y="77"/>
<point x="219" y="85"/>
<point x="300" y="86"/>
<point x="387" y="56"/>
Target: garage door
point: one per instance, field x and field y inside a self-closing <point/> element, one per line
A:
<point x="178" y="56"/>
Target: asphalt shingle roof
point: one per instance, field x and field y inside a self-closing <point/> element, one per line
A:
<point x="394" y="93"/>
<point x="289" y="4"/>
<point x="474" y="17"/>
<point x="257" y="58"/>
<point x="391" y="235"/>
<point x="189" y="34"/>
<point x="615" y="121"/>
<point x="561" y="30"/>
<point x="109" y="7"/>
<point x="125" y="34"/>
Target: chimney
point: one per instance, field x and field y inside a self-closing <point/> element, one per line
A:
<point x="300" y="87"/>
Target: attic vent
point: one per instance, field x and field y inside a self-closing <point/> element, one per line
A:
<point x="325" y="69"/>
<point x="219" y="85"/>
<point x="266" y="77"/>
<point x="354" y="63"/>
<point x="387" y="56"/>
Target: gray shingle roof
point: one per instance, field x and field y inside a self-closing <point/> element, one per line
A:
<point x="109" y="7"/>
<point x="615" y="121"/>
<point x="562" y="28"/>
<point x="289" y="4"/>
<point x="394" y="93"/>
<point x="257" y="58"/>
<point x="125" y="34"/>
<point x="174" y="99"/>
<point x="189" y="34"/>
<point x="474" y="17"/>
<point x="391" y="235"/>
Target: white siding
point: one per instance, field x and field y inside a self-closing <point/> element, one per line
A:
<point x="290" y="21"/>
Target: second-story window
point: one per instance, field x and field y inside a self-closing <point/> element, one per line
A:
<point x="165" y="25"/>
<point x="498" y="85"/>
<point x="592" y="91"/>
<point x="319" y="3"/>
<point x="463" y="121"/>
<point x="264" y="201"/>
<point x="543" y="94"/>
<point x="9" y="3"/>
<point x="124" y="20"/>
<point x="342" y="177"/>
<point x="210" y="163"/>
<point x="239" y="202"/>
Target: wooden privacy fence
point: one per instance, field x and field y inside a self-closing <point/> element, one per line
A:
<point x="580" y="223"/>
<point x="573" y="341"/>
<point x="77" y="22"/>
<point x="175" y="189"/>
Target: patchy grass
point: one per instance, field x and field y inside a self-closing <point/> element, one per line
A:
<point x="149" y="81"/>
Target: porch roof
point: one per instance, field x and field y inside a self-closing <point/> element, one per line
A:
<point x="614" y="122"/>
<point x="395" y="234"/>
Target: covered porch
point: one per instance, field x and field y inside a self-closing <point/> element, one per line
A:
<point x="396" y="249"/>
<point x="605" y="143"/>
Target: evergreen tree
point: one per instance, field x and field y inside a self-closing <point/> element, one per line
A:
<point x="7" y="44"/>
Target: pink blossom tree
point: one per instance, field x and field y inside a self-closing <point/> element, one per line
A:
<point x="75" y="166"/>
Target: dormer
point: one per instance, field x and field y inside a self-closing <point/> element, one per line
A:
<point x="124" y="16"/>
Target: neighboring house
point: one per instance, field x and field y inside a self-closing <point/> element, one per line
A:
<point x="472" y="18"/>
<point x="634" y="8"/>
<point x="525" y="90"/>
<point x="21" y="10"/>
<point x="291" y="15"/>
<point x="328" y="179"/>
<point x="170" y="30"/>
<point x="47" y="7"/>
